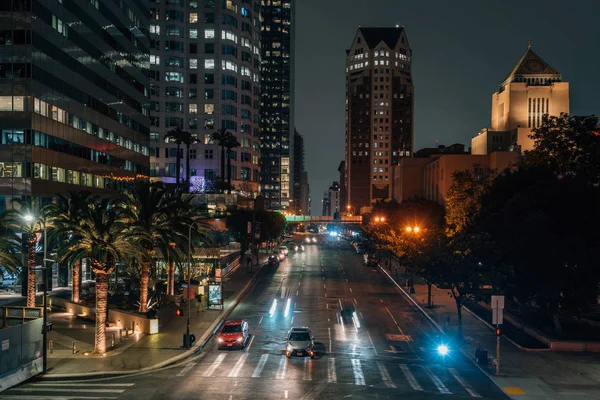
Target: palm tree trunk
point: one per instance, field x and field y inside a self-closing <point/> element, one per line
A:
<point x="171" y="278"/>
<point x="222" y="166"/>
<point x="178" y="165"/>
<point x="31" y="241"/>
<point x="101" y="309"/>
<point x="229" y="169"/>
<point x="76" y="277"/>
<point x="144" y="286"/>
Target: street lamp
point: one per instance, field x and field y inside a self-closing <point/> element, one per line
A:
<point x="186" y="340"/>
<point x="30" y="218"/>
<point x="415" y="231"/>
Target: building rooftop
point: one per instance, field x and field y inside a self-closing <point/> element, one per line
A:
<point x="373" y="36"/>
<point x="532" y="65"/>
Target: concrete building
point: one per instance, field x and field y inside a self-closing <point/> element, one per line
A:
<point x="333" y="194"/>
<point x="379" y="112"/>
<point x="326" y="204"/>
<point x="532" y="89"/>
<point x="343" y="192"/>
<point x="73" y="95"/>
<point x="297" y="167"/>
<point x="277" y="104"/>
<point x="205" y="76"/>
<point x="304" y="195"/>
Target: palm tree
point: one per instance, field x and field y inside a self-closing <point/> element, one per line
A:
<point x="176" y="135"/>
<point x="23" y="219"/>
<point x="220" y="137"/>
<point x="231" y="142"/>
<point x="9" y="245"/>
<point x="70" y="206"/>
<point x="105" y="235"/>
<point x="161" y="215"/>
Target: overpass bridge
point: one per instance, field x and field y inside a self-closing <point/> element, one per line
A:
<point x="309" y="219"/>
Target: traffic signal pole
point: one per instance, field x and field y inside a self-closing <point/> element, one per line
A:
<point x="498" y="333"/>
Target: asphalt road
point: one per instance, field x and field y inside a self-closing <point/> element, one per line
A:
<point x="388" y="353"/>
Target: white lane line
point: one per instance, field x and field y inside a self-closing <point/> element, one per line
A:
<point x="292" y="321"/>
<point x="235" y="371"/>
<point x="230" y="397"/>
<point x="355" y="302"/>
<point x="183" y="372"/>
<point x="81" y="389"/>
<point x="214" y="365"/>
<point x="79" y="384"/>
<point x="331" y="374"/>
<point x="299" y="283"/>
<point x="329" y="332"/>
<point x="372" y="344"/>
<point x="389" y="312"/>
<point x="327" y="306"/>
<point x="385" y="375"/>
<point x="350" y="290"/>
<point x="346" y="279"/>
<point x="359" y="377"/>
<point x="250" y="344"/>
<point x="324" y="286"/>
<point x="381" y="300"/>
<point x="261" y="318"/>
<point x="463" y="383"/>
<point x="282" y="368"/>
<point x="325" y="294"/>
<point x="412" y="381"/>
<point x="436" y="381"/>
<point x="297" y="292"/>
<point x="307" y="369"/>
<point x="260" y="366"/>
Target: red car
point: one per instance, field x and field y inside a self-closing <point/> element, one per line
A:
<point x="234" y="334"/>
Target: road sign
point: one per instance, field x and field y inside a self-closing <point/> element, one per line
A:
<point x="497" y="314"/>
<point x="498" y="302"/>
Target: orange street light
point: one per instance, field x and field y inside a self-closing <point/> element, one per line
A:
<point x="416" y="229"/>
<point x="413" y="229"/>
<point x="408" y="229"/>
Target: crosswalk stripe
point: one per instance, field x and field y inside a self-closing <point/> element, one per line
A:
<point x="359" y="377"/>
<point x="64" y="384"/>
<point x="282" y="368"/>
<point x="385" y="375"/>
<point x="187" y="368"/>
<point x="81" y="389"/>
<point x="463" y="383"/>
<point x="238" y="366"/>
<point x="308" y="369"/>
<point x="260" y="366"/>
<point x="214" y="365"/>
<point x="331" y="374"/>
<point x="436" y="381"/>
<point x="412" y="381"/>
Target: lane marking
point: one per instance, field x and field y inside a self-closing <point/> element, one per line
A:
<point x="79" y="384"/>
<point x="372" y="344"/>
<point x="436" y="381"/>
<point x="181" y="373"/>
<point x="381" y="300"/>
<point x="324" y="286"/>
<point x="235" y="372"/>
<point x="463" y="383"/>
<point x="214" y="365"/>
<point x="81" y="389"/>
<point x="359" y="377"/>
<point x="346" y="279"/>
<point x="389" y="312"/>
<point x="325" y="294"/>
<point x="308" y="369"/>
<point x="282" y="368"/>
<point x="299" y="283"/>
<point x="297" y="292"/>
<point x="331" y="374"/>
<point x="261" y="318"/>
<point x="260" y="366"/>
<point x="410" y="377"/>
<point x="355" y="302"/>
<point x="250" y="344"/>
<point x="292" y="321"/>
<point x="385" y="375"/>
<point x="350" y="290"/>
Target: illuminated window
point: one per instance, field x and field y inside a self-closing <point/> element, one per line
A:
<point x="209" y="33"/>
<point x="209" y="109"/>
<point x="193" y="18"/>
<point x="193" y="63"/>
<point x="193" y="108"/>
<point x="209" y="63"/>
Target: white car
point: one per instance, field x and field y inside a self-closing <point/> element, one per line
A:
<point x="299" y="342"/>
<point x="284" y="250"/>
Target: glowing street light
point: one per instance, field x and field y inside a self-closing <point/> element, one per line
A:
<point x="413" y="229"/>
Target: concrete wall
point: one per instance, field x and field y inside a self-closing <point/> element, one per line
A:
<point x="408" y="178"/>
<point x="20" y="353"/>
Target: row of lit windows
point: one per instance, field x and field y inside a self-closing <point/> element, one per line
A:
<point x="379" y="53"/>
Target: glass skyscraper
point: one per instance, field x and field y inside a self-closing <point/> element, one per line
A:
<point x="277" y="105"/>
<point x="73" y="96"/>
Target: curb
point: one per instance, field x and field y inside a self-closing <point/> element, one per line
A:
<point x="206" y="336"/>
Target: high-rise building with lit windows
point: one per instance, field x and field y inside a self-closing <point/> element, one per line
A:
<point x="379" y="113"/>
<point x="277" y="105"/>
<point x="205" y="76"/>
<point x="73" y="96"/>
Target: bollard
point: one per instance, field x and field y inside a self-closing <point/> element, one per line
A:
<point x="126" y="332"/>
<point x="120" y="335"/>
<point x="112" y="341"/>
<point x="74" y="348"/>
<point x="132" y="327"/>
<point x="51" y="346"/>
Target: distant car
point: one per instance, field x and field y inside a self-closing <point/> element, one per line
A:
<point x="347" y="312"/>
<point x="299" y="343"/>
<point x="298" y="247"/>
<point x="284" y="250"/>
<point x="281" y="255"/>
<point x="273" y="260"/>
<point x="234" y="334"/>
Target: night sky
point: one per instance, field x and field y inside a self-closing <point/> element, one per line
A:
<point x="462" y="51"/>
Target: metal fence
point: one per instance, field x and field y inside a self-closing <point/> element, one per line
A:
<point x="20" y="345"/>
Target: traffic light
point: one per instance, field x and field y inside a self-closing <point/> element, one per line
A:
<point x="498" y="331"/>
<point x="179" y="312"/>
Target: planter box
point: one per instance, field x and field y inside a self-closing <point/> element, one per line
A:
<point x="74" y="308"/>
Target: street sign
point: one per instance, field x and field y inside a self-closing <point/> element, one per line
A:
<point x="5" y="344"/>
<point x="497" y="301"/>
<point x="497" y="314"/>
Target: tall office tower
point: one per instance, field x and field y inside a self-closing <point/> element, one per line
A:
<point x="277" y="105"/>
<point x="379" y="113"/>
<point x="297" y="169"/>
<point x="205" y="61"/>
<point x="73" y="96"/>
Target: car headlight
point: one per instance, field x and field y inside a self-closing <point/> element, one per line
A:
<point x="220" y="340"/>
<point x="289" y="348"/>
<point x="240" y="339"/>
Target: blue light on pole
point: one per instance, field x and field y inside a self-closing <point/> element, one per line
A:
<point x="443" y="350"/>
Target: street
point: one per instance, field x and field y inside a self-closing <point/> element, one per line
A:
<point x="387" y="352"/>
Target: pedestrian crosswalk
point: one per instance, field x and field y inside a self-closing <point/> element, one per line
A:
<point x="383" y="373"/>
<point x="67" y="391"/>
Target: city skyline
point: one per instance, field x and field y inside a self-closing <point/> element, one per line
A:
<point x="456" y="31"/>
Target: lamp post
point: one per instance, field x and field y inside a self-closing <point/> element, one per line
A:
<point x="186" y="340"/>
<point x="414" y="230"/>
<point x="31" y="218"/>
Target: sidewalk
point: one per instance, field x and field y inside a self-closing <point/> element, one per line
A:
<point x="138" y="352"/>
<point x="524" y="374"/>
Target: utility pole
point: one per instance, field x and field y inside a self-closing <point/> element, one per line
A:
<point x="497" y="319"/>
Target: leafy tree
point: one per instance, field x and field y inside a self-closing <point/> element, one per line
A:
<point x="231" y="142"/>
<point x="106" y="236"/>
<point x="9" y="246"/>
<point x="463" y="199"/>
<point x="568" y="145"/>
<point x="273" y="225"/>
<point x="237" y="224"/>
